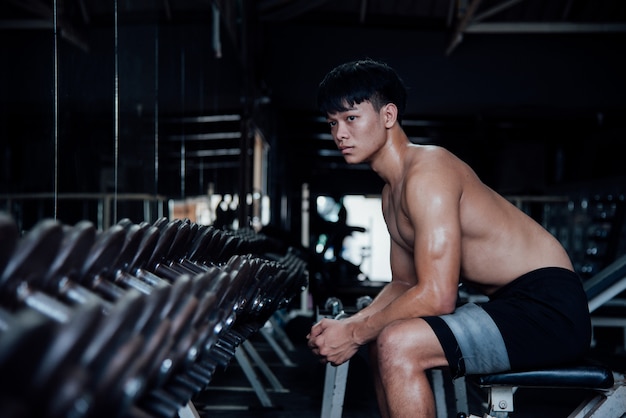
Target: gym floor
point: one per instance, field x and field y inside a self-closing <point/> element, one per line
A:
<point x="231" y="395"/>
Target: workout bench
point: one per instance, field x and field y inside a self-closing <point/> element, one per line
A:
<point x="607" y="399"/>
<point x="608" y="388"/>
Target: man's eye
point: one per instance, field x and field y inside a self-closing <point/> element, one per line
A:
<point x="351" y="118"/>
<point x="331" y="124"/>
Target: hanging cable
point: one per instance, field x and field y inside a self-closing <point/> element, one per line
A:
<point x="56" y="111"/>
<point x="116" y="112"/>
<point x="156" y="114"/>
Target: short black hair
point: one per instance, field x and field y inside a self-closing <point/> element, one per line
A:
<point x="357" y="81"/>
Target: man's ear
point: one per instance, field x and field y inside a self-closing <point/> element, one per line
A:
<point x="390" y="113"/>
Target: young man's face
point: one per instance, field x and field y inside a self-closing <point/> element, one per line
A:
<point x="358" y="132"/>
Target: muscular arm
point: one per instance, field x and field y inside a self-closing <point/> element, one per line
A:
<point x="425" y="264"/>
<point x="425" y="282"/>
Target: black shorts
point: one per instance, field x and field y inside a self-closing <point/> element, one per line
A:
<point x="540" y="319"/>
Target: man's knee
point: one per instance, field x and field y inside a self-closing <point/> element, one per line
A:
<point x="394" y="345"/>
<point x="410" y="342"/>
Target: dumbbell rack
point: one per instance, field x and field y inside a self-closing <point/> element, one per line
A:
<point x="132" y="321"/>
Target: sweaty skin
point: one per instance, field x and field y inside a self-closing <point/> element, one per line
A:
<point x="444" y="224"/>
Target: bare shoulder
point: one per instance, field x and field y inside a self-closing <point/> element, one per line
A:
<point x="430" y="152"/>
<point x="435" y="158"/>
<point x="432" y="166"/>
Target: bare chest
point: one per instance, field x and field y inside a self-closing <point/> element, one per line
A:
<point x="401" y="230"/>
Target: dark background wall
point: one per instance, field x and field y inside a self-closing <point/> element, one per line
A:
<point x="532" y="113"/>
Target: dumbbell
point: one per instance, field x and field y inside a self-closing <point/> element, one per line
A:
<point x="167" y="235"/>
<point x="137" y="266"/>
<point x="59" y="383"/>
<point x="172" y="243"/>
<point x="120" y="387"/>
<point x="170" y="264"/>
<point x="201" y="244"/>
<point x="151" y="336"/>
<point x="242" y="291"/>
<point x="217" y="351"/>
<point x="116" y="353"/>
<point x="221" y="284"/>
<point x="113" y="253"/>
<point x="187" y="344"/>
<point x="24" y="338"/>
<point x="28" y="263"/>
<point x="363" y="302"/>
<point x="334" y="306"/>
<point x="8" y="239"/>
<point x="233" y="299"/>
<point x="120" y="271"/>
<point x="60" y="278"/>
<point x="6" y="320"/>
<point x="227" y="247"/>
<point x="179" y="311"/>
<point x="203" y="333"/>
<point x="155" y="328"/>
<point x="190" y="375"/>
<point x="213" y="246"/>
<point x="160" y="223"/>
<point x="116" y="327"/>
<point x="181" y="242"/>
<point x="62" y="393"/>
<point x="262" y="299"/>
<point x="102" y="255"/>
<point x="113" y="394"/>
<point x="133" y="237"/>
<point x="183" y="335"/>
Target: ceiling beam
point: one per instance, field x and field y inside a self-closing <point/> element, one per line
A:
<point x="495" y="10"/>
<point x="465" y="20"/>
<point x="470" y="21"/>
<point x="65" y="31"/>
<point x="549" y="27"/>
<point x="46" y="14"/>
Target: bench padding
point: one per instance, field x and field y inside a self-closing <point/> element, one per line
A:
<point x="577" y="376"/>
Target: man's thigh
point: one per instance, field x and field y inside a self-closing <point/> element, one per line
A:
<point x="471" y="340"/>
<point x="413" y="340"/>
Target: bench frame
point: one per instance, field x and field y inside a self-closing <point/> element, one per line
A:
<point x="602" y="403"/>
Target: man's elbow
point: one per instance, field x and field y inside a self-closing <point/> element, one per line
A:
<point x="445" y="305"/>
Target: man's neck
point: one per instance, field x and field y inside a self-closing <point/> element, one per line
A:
<point x="389" y="161"/>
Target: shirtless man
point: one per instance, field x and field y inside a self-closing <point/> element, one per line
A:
<point x="446" y="227"/>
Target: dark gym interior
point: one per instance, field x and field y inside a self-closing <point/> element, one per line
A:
<point x="131" y="116"/>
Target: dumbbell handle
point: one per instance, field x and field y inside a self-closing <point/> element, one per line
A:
<point x="334" y="305"/>
<point x="151" y="278"/>
<point x="106" y="288"/>
<point x="80" y="295"/>
<point x="131" y="281"/>
<point x="43" y="303"/>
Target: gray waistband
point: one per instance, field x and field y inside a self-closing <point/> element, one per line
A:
<point x="479" y="339"/>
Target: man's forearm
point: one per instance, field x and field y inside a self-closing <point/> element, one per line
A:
<point x="388" y="294"/>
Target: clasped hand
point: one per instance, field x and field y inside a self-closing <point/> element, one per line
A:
<point x="332" y="341"/>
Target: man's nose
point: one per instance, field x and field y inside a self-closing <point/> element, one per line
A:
<point x="341" y="134"/>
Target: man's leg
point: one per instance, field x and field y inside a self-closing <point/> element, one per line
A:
<point x="405" y="351"/>
<point x="378" y="384"/>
